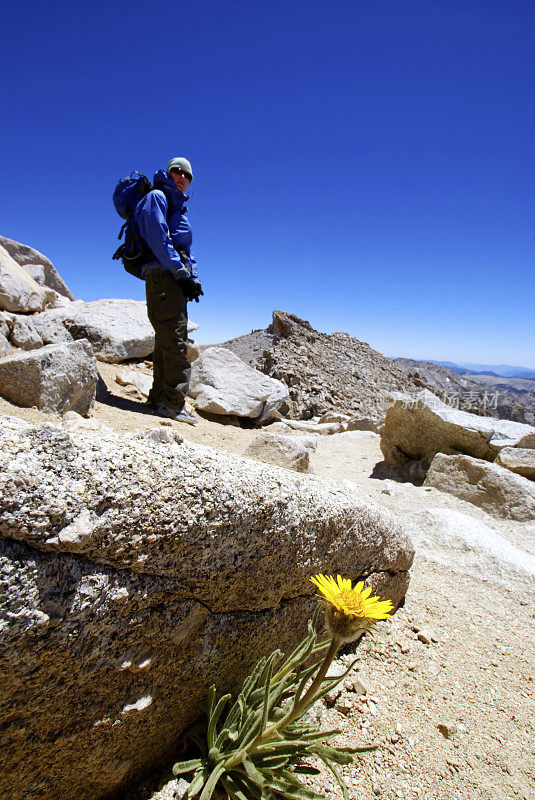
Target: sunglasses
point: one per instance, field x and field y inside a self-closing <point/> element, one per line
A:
<point x="178" y="171"/>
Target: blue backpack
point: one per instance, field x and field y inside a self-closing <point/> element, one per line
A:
<point x="134" y="252"/>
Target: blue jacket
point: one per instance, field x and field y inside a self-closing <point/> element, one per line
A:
<point x="163" y="224"/>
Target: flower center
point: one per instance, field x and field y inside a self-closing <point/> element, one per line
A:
<point x="350" y="602"/>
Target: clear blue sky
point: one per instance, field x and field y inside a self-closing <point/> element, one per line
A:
<point x="365" y="164"/>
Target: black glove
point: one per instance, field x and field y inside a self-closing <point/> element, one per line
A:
<point x="192" y="288"/>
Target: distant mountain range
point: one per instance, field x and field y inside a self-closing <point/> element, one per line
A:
<point x="498" y="370"/>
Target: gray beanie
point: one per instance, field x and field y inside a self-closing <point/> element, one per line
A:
<point x="180" y="163"/>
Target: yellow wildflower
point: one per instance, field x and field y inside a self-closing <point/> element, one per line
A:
<point x="349" y="611"/>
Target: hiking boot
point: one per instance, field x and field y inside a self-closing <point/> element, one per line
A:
<point x="185" y="416"/>
<point x="180" y="416"/>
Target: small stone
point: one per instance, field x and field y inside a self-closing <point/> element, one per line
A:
<point x="331" y="697"/>
<point x="344" y="705"/>
<point x="427" y="635"/>
<point x="357" y="685"/>
<point x="447" y="729"/>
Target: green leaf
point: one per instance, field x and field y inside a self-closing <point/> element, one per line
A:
<point x="295" y="658"/>
<point x="289" y="787"/>
<point x="313" y="623"/>
<point x="234" y="711"/>
<point x="328" y="754"/>
<point x="307" y="674"/>
<point x="270" y="762"/>
<point x="232" y="788"/>
<point x="321" y="645"/>
<point x="305" y="769"/>
<point x="243" y="783"/>
<point x="318" y="736"/>
<point x="265" y="707"/>
<point x="283" y="747"/>
<point x="250" y="683"/>
<point x="211" y="700"/>
<point x="216" y="713"/>
<point x="295" y="729"/>
<point x="337" y="776"/>
<point x="222" y="738"/>
<point x="198" y="781"/>
<point x="210" y="784"/>
<point x="249" y="727"/>
<point x="187" y="766"/>
<point x="253" y="773"/>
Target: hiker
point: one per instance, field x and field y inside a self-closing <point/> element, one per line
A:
<point x="171" y="280"/>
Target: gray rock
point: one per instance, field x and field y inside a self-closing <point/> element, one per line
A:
<point x="135" y="574"/>
<point x="308" y="426"/>
<point x="363" y="424"/>
<point x="57" y="300"/>
<point x="18" y="291"/>
<point x="470" y="547"/>
<point x="284" y="451"/>
<point x="35" y="271"/>
<point x="223" y="384"/>
<point x="194" y="351"/>
<point x="417" y="427"/>
<point x="280" y="426"/>
<point x="28" y="258"/>
<point x="519" y="460"/>
<point x="50" y="327"/>
<point x="332" y="416"/>
<point x="132" y="377"/>
<point x="73" y="421"/>
<point x="275" y="403"/>
<point x="117" y="329"/>
<point x="310" y="442"/>
<point x="24" y="334"/>
<point x="56" y="378"/>
<point x="6" y="323"/>
<point x="489" y="486"/>
<point x="5" y="347"/>
<point x="161" y="436"/>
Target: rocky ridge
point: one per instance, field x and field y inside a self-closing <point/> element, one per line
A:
<point x="324" y="372"/>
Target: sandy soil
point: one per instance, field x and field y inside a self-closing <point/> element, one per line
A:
<point x="447" y="685"/>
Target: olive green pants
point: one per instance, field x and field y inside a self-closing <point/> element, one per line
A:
<point x="168" y="314"/>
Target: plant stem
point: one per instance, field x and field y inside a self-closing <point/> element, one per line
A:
<point x="294" y="713"/>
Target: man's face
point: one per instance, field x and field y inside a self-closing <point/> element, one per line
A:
<point x="181" y="180"/>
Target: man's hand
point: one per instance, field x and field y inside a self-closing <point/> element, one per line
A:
<point x="192" y="288"/>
